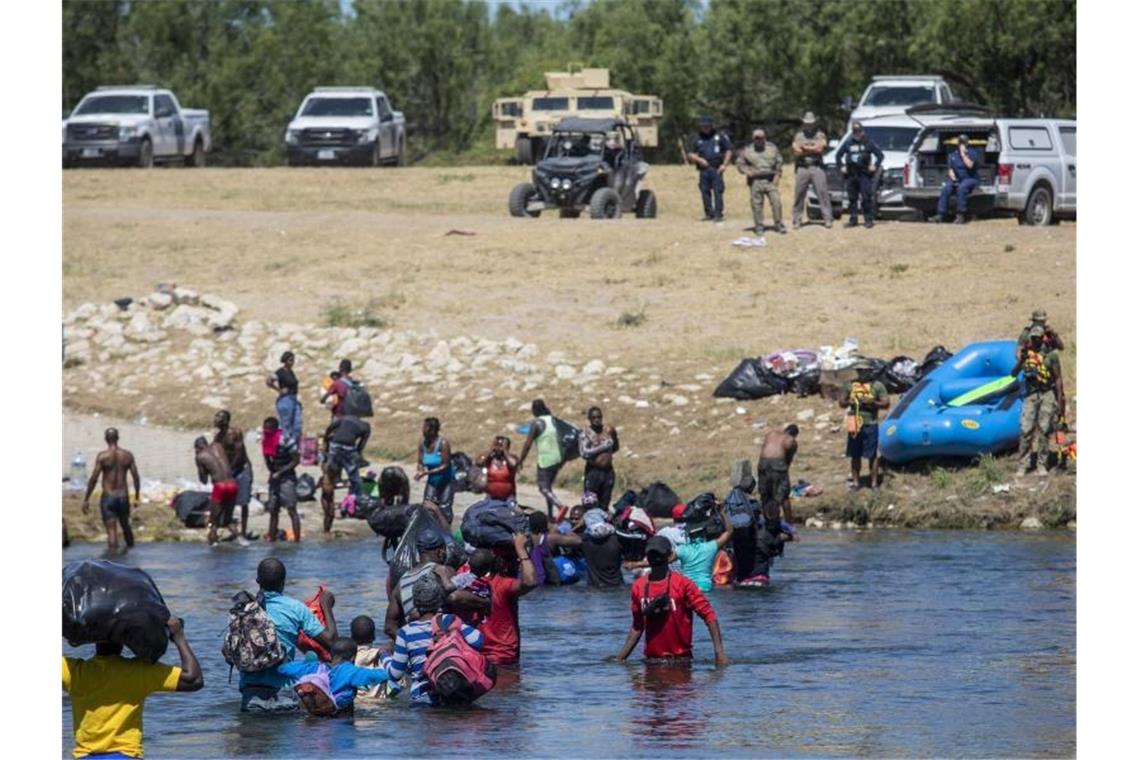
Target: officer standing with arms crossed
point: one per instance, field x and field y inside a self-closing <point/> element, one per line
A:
<point x="858" y="158"/>
<point x="762" y="164"/>
<point x="809" y="145"/>
<point x="711" y="153"/>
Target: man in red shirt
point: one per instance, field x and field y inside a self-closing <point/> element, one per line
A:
<point x="663" y="603"/>
<point x="501" y="627"/>
<point x="338" y="388"/>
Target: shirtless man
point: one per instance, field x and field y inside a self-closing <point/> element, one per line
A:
<point x="114" y="505"/>
<point x="213" y="466"/>
<point x="597" y="445"/>
<point x="233" y="444"/>
<point x="776" y="455"/>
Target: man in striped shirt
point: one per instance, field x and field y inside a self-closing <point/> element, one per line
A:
<point x="413" y="639"/>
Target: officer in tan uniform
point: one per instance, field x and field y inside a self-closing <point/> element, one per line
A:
<point x="762" y="164"/>
<point x="809" y="145"/>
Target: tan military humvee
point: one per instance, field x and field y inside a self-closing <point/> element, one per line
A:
<point x="525" y="123"/>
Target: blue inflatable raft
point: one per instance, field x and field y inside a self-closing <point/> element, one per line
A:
<point x="924" y="424"/>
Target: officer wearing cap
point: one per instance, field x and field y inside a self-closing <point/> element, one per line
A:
<point x="809" y="145"/>
<point x="762" y="164"/>
<point x="1044" y="397"/>
<point x="711" y="153"/>
<point x="961" y="178"/>
<point x="1050" y="339"/>
<point x="858" y="158"/>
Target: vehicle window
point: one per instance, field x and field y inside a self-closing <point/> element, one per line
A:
<point x="892" y="138"/>
<point x="577" y="144"/>
<point x="113" y="104"/>
<point x="551" y="104"/>
<point x="1069" y="140"/>
<point x="510" y="108"/>
<point x="596" y="102"/>
<point x="1029" y="138"/>
<point x="382" y="108"/>
<point x="944" y="94"/>
<point x="337" y="107"/>
<point x="898" y="96"/>
<point x="163" y="101"/>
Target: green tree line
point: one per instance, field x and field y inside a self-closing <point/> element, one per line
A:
<point x="443" y="62"/>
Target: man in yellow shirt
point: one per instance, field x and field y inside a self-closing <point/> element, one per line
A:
<point x="107" y="694"/>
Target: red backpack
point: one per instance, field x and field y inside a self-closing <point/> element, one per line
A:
<point x="307" y="643"/>
<point x="458" y="673"/>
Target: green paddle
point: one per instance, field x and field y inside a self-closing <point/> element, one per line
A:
<point x="983" y="391"/>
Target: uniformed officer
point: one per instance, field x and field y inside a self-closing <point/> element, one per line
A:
<point x="858" y="158"/>
<point x="711" y="153"/>
<point x="809" y="145"/>
<point x="762" y="164"/>
<point x="1051" y="341"/>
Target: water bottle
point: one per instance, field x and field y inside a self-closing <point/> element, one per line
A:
<point x="77" y="479"/>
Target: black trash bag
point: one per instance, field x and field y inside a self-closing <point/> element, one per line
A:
<point x="806" y="383"/>
<point x="490" y="523"/>
<point x="460" y="468"/>
<point x="390" y="521"/>
<point x="933" y="359"/>
<point x="106" y="601"/>
<point x="567" y="439"/>
<point x="627" y="499"/>
<point x="394" y="487"/>
<point x="751" y="380"/>
<point x="701" y="518"/>
<point x="898" y="375"/>
<point x="192" y="508"/>
<point x="306" y="488"/>
<point x="658" y="499"/>
<point x="406" y="555"/>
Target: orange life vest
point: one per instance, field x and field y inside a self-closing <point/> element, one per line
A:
<point x="1037" y="373"/>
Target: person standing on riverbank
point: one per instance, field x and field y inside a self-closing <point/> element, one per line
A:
<point x="597" y="445"/>
<point x="662" y="603"/>
<point x="1044" y="399"/>
<point x="345" y="439"/>
<point x="281" y="460"/>
<point x="108" y="694"/>
<point x="502" y="466"/>
<point x="864" y="399"/>
<point x="232" y="441"/>
<point x="284" y="381"/>
<point x="113" y="465"/>
<point x="434" y="463"/>
<point x="267" y="690"/>
<point x="776" y="455"/>
<point x="544" y="436"/>
<point x="213" y="467"/>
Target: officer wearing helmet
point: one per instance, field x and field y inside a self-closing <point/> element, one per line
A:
<point x="711" y="153"/>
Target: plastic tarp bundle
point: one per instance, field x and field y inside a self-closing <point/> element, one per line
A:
<point x="106" y="601"/>
<point x="490" y="523"/>
<point x="406" y="556"/>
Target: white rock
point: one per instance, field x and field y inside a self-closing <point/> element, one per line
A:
<point x="215" y="402"/>
<point x="814" y="522"/>
<point x="214" y="302"/>
<point x="513" y="345"/>
<point x="425" y="378"/>
<point x="82" y="313"/>
<point x="556" y="357"/>
<point x="690" y="387"/>
<point x="407" y="361"/>
<point x="595" y="367"/>
<point x="615" y="371"/>
<point x="203" y="372"/>
<point x="805" y="415"/>
<point x="351" y="347"/>
<point x="675" y="399"/>
<point x="185" y="296"/>
<point x="159" y="300"/>
<point x="78" y="349"/>
<point x="185" y="315"/>
<point x="1031" y="523"/>
<point x="527" y="351"/>
<point x="224" y="318"/>
<point x="564" y="372"/>
<point x="641" y="404"/>
<point x="741" y="410"/>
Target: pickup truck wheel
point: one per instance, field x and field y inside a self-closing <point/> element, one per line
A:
<point x="1039" y="207"/>
<point x="605" y="203"/>
<point x="521" y="195"/>
<point x="197" y="159"/>
<point x="646" y="207"/>
<point x="146" y="154"/>
<point x="401" y="157"/>
<point x="374" y="157"/>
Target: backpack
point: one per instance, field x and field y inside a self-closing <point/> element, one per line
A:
<point x="461" y="466"/>
<point x="458" y="673"/>
<point x="307" y="643"/>
<point x="658" y="499"/>
<point x="251" y="641"/>
<point x="390" y="522"/>
<point x="315" y="692"/>
<point x="723" y="567"/>
<point x="701" y="519"/>
<point x="568" y="436"/>
<point x="490" y="523"/>
<point x="741" y="508"/>
<point x="192" y="508"/>
<point x="357" y="402"/>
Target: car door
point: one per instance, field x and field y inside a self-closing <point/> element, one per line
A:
<point x="387" y="127"/>
<point x="1031" y="148"/>
<point x="1069" y="158"/>
<point x="168" y="127"/>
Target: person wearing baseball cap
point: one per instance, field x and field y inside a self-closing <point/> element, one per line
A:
<point x="662" y="603"/>
<point x="1044" y="398"/>
<point x="808" y="146"/>
<point x="961" y="179"/>
<point x="762" y="165"/>
<point x="1051" y="340"/>
<point x="858" y="158"/>
<point x="711" y="152"/>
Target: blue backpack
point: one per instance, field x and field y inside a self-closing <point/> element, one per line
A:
<point x="741" y="508"/>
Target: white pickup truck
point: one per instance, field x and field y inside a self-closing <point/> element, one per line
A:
<point x="346" y="125"/>
<point x="136" y="126"/>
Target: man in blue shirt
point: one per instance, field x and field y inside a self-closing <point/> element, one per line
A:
<point x="962" y="176"/>
<point x="711" y="153"/>
<point x="265" y="690"/>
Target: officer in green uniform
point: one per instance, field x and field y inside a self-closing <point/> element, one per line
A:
<point x="762" y="164"/>
<point x="1045" y="396"/>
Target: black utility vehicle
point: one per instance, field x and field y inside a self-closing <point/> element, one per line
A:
<point x="589" y="164"/>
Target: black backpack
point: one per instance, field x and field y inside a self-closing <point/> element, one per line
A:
<point x="357" y="402"/>
<point x="192" y="508"/>
<point x="390" y="521"/>
<point x="567" y="439"/>
<point x="658" y="499"/>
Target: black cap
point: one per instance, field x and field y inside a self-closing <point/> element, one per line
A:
<point x="659" y="545"/>
<point x="428" y="540"/>
<point x="705" y="121"/>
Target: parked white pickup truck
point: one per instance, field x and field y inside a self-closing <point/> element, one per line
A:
<point x="135" y="125"/>
<point x="346" y="125"/>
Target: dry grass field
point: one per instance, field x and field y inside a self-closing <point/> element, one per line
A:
<point x="668" y="300"/>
